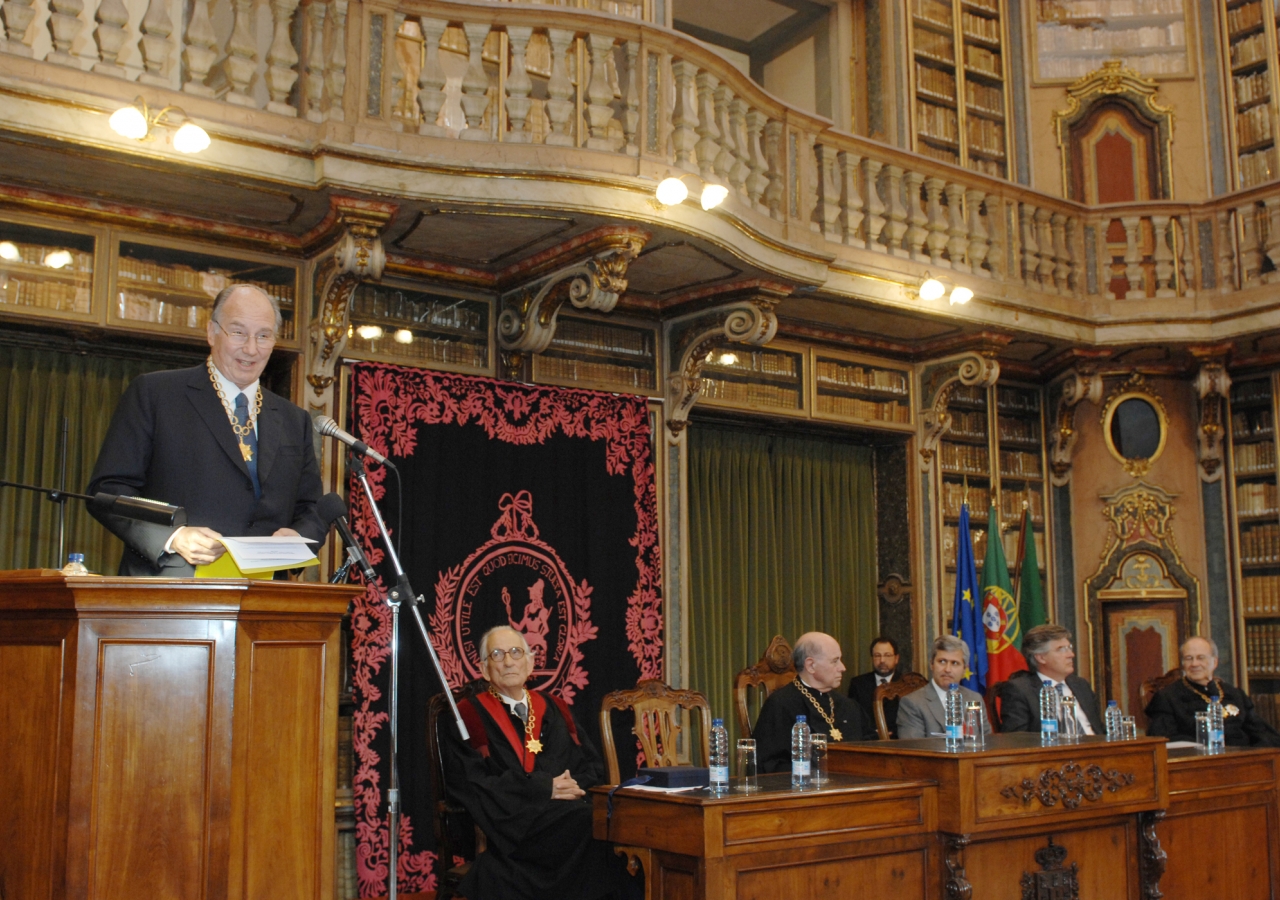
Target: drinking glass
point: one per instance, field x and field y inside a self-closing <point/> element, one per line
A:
<point x="975" y="721"/>
<point x="1129" y="728"/>
<point x="748" y="772"/>
<point x="1202" y="729"/>
<point x="818" y="768"/>
<point x="1069" y="725"/>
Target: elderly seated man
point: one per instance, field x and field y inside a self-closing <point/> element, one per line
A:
<point x="923" y="713"/>
<point x="1053" y="661"/>
<point x="814" y="694"/>
<point x="1172" y="712"/>
<point x="523" y="778"/>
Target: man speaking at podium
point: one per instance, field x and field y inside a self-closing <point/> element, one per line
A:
<point x="237" y="457"/>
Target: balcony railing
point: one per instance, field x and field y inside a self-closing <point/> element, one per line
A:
<point x="596" y="89"/>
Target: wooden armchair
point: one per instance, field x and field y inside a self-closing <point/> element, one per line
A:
<point x="895" y="690"/>
<point x="657" y="727"/>
<point x="1153" y="686"/>
<point x="455" y="831"/>
<point x="774" y="670"/>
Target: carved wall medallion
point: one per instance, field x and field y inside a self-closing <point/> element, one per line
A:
<point x="1071" y="784"/>
<point x="894" y="589"/>
<point x="1054" y="881"/>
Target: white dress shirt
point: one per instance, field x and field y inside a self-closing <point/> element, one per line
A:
<point x="1065" y="689"/>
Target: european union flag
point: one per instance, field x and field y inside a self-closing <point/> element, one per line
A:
<point x="965" y="617"/>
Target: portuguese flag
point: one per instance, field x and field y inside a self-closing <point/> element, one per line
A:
<point x="999" y="612"/>
<point x="1031" y="609"/>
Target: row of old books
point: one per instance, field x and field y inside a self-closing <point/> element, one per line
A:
<point x="1262" y="644"/>
<point x="1260" y="544"/>
<point x="1257" y="499"/>
<point x="1260" y="594"/>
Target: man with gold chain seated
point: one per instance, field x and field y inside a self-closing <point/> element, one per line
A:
<point x="1172" y="712"/>
<point x="523" y="778"/>
<point x="815" y="694"/>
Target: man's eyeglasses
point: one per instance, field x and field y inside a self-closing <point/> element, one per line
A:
<point x="1197" y="659"/>
<point x="239" y="337"/>
<point x="497" y="653"/>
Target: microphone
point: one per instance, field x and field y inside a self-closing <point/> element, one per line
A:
<point x="329" y="428"/>
<point x="333" y="512"/>
<point x="138" y="508"/>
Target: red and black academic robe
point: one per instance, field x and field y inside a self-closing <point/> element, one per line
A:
<point x="537" y="847"/>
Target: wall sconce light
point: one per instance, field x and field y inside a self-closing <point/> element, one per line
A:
<point x="672" y="190"/>
<point x="136" y="121"/>
<point x="933" y="289"/>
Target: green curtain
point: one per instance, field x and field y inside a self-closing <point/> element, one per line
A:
<point x="37" y="388"/>
<point x="782" y="540"/>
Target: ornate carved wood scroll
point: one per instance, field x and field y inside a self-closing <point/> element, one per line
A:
<point x="957" y="885"/>
<point x="1071" y="784"/>
<point x="1212" y="384"/>
<point x="527" y="322"/>
<point x="357" y="256"/>
<point x="937" y="383"/>
<point x="1152" y="859"/>
<point x="750" y="321"/>
<point x="1077" y="386"/>
<point x="1054" y="881"/>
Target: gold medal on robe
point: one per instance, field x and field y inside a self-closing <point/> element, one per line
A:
<point x="533" y="745"/>
<point x="836" y="735"/>
<point x="246" y="452"/>
<point x="1231" y="710"/>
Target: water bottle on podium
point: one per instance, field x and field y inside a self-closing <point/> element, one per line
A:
<point x="719" y="761"/>
<point x="800" y="753"/>
<point x="1048" y="714"/>
<point x="1217" y="730"/>
<point x="1114" y="715"/>
<point x="955" y="717"/>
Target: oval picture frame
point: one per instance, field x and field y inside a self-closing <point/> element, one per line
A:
<point x="1132" y="407"/>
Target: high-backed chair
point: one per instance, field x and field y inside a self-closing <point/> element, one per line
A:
<point x="1153" y="686"/>
<point x="657" y="725"/>
<point x="774" y="670"/>
<point x="456" y="833"/>
<point x="895" y="690"/>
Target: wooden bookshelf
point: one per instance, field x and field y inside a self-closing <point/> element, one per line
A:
<point x="47" y="271"/>
<point x="851" y="388"/>
<point x="394" y="323"/>
<point x="959" y="77"/>
<point x="600" y="353"/>
<point x="770" y="379"/>
<point x="1249" y="39"/>
<point x="1075" y="37"/>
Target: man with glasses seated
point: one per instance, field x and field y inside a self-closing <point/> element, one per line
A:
<point x="211" y="439"/>
<point x="1052" y="660"/>
<point x="523" y="777"/>
<point x="1172" y="712"/>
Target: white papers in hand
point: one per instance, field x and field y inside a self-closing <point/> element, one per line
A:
<point x="284" y="552"/>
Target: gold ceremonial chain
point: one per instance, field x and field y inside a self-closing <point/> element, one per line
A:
<point x="831" y="719"/>
<point x="1228" y="709"/>
<point x="241" y="431"/>
<point x="533" y="745"/>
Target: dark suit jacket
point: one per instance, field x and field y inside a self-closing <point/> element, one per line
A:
<point x="170" y="440"/>
<point x="1020" y="702"/>
<point x="862" y="690"/>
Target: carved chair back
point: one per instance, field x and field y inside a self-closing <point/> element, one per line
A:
<point x="658" y="726"/>
<point x="774" y="670"/>
<point x="895" y="690"/>
<point x="1153" y="686"/>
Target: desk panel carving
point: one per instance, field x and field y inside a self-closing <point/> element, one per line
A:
<point x="1070" y="784"/>
<point x="1054" y="881"/>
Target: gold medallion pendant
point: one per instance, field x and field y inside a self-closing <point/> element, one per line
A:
<point x="533" y="745"/>
<point x="246" y="452"/>
<point x="836" y="735"/>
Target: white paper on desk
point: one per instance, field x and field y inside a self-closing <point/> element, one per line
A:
<point x="274" y="552"/>
<point x="663" y="790"/>
<point x="1178" y="745"/>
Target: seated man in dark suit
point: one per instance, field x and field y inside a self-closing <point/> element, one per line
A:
<point x="1172" y="712"/>
<point x="1051" y="658"/>
<point x="923" y="714"/>
<point x="814" y="694"/>
<point x="884" y="669"/>
<point x="238" y="458"/>
<point x="523" y="777"/>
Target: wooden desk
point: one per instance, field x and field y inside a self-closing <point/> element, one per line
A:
<point x="999" y="809"/>
<point x="169" y="738"/>
<point x="855" y="837"/>
<point x="1221" y="830"/>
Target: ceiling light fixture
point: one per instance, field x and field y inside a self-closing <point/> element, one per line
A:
<point x="136" y="121"/>
<point x="931" y="288"/>
<point x="672" y="191"/>
<point x="369" y="332"/>
<point x="403" y="336"/>
<point x="960" y="296"/>
<point x="57" y="259"/>
<point x="9" y="250"/>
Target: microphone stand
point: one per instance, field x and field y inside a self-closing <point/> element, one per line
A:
<point x="400" y="592"/>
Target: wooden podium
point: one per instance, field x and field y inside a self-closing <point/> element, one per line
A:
<point x="167" y="738"/>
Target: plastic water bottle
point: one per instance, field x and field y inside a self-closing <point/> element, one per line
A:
<point x="1217" y="734"/>
<point x="75" y="565"/>
<point x="955" y="717"/>
<point x="719" y="762"/>
<point x="800" y="753"/>
<point x="1048" y="714"/>
<point x="1114" y="730"/>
